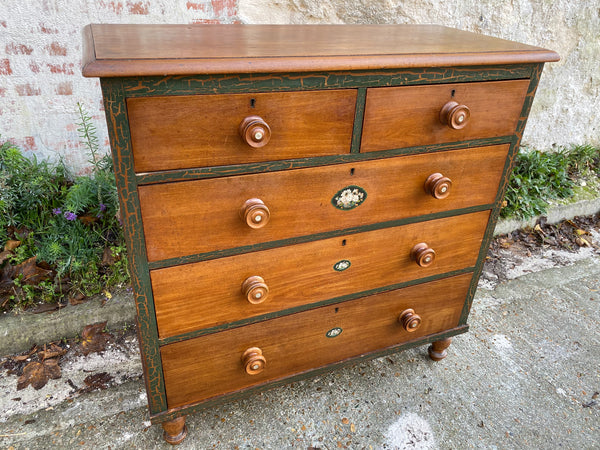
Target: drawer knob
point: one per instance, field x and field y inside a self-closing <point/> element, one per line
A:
<point x="253" y="360"/>
<point x="255" y="289"/>
<point x="255" y="213"/>
<point x="409" y="320"/>
<point x="454" y="115"/>
<point x="422" y="254"/>
<point x="438" y="186"/>
<point x="255" y="131"/>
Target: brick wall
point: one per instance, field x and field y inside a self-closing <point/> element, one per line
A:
<point x="40" y="60"/>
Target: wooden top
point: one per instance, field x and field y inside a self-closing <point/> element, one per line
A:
<point x="136" y="50"/>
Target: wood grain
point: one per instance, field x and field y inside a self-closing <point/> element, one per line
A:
<point x="202" y="216"/>
<point x="132" y="50"/>
<point x="405" y="116"/>
<point x="202" y="130"/>
<point x="209" y="293"/>
<point x="207" y="366"/>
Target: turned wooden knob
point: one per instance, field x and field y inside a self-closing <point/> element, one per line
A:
<point x="255" y="213"/>
<point x="409" y="320"/>
<point x="438" y="186"/>
<point x="255" y="131"/>
<point x="454" y="115"/>
<point x="253" y="360"/>
<point x="255" y="289"/>
<point x="423" y="254"/>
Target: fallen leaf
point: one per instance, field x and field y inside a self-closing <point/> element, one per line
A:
<point x="11" y="245"/>
<point x="88" y="219"/>
<point x="51" y="352"/>
<point x="31" y="273"/>
<point x="37" y="374"/>
<point x="93" y="338"/>
<point x="580" y="232"/>
<point x="5" y="255"/>
<point x="345" y="421"/>
<point x="98" y="381"/>
<point x="107" y="257"/>
<point x="76" y="298"/>
<point x="582" y="242"/>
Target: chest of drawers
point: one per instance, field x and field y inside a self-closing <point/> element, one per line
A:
<point x="295" y="198"/>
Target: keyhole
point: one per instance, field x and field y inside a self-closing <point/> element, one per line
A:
<point x="352" y="171"/>
<point x="452" y="93"/>
<point x="344" y="242"/>
<point x="253" y="102"/>
<point x="337" y="309"/>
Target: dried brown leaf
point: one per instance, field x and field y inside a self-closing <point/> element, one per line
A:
<point x="31" y="273"/>
<point x="51" y="352"/>
<point x="93" y="338"/>
<point x="11" y="245"/>
<point x="98" y="381"/>
<point x="76" y="298"/>
<point x="37" y="374"/>
<point x="5" y="255"/>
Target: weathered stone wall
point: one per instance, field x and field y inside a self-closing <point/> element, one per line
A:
<point x="40" y="53"/>
<point x="567" y="105"/>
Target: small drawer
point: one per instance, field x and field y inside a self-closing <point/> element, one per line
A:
<point x="219" y="363"/>
<point x="397" y="117"/>
<point x="203" y="216"/>
<point x="180" y="132"/>
<point x="225" y="290"/>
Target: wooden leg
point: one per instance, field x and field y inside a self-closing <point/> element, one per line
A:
<point x="437" y="349"/>
<point x="175" y="430"/>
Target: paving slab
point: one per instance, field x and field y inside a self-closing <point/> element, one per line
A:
<point x="527" y="375"/>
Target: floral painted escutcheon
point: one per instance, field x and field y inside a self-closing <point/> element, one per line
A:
<point x="334" y="332"/>
<point x="349" y="197"/>
<point x="342" y="265"/>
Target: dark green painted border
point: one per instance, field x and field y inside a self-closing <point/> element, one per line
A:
<point x="305" y="307"/>
<point x="311" y="237"/>
<point x="118" y="130"/>
<point x="302" y="163"/>
<point x="508" y="167"/>
<point x="240" y="83"/>
<point x="359" y="113"/>
<point x="186" y="410"/>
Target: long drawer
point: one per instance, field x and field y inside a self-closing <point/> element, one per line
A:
<point x="201" y="216"/>
<point x="204" y="367"/>
<point x="224" y="290"/>
<point x="406" y="116"/>
<point x="180" y="132"/>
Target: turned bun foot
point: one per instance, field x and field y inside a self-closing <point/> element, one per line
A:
<point x="175" y="430"/>
<point x="437" y="349"/>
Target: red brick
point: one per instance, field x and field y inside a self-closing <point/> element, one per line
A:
<point x="35" y="68"/>
<point x="138" y="7"/>
<point x="47" y="30"/>
<point x="55" y="49"/>
<point x="29" y="144"/>
<point x="64" y="68"/>
<point x="27" y="90"/>
<point x="117" y="7"/>
<point x="196" y="6"/>
<point x="224" y="8"/>
<point x="64" y="88"/>
<point x="206" y="21"/>
<point x="18" y="49"/>
<point x="5" y="67"/>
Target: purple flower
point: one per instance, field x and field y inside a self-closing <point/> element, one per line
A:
<point x="70" y="216"/>
<point x="56" y="211"/>
<point x="102" y="207"/>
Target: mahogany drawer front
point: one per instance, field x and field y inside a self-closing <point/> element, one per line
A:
<point x="406" y="116"/>
<point x="181" y="132"/>
<point x="210" y="293"/>
<point x="204" y="367"/>
<point x="204" y="215"/>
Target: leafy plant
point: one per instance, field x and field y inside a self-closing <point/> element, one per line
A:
<point x="64" y="224"/>
<point x="539" y="177"/>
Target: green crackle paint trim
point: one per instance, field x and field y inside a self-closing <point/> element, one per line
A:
<point x="510" y="161"/>
<point x="359" y="113"/>
<point x="241" y="394"/>
<point x="306" y="307"/>
<point x="302" y="163"/>
<point x="118" y="130"/>
<point x="217" y="84"/>
<point x="311" y="237"/>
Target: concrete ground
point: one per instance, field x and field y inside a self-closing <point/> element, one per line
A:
<point x="527" y="375"/>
